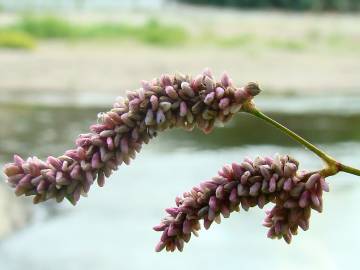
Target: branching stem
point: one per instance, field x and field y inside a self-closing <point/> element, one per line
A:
<point x="332" y="165"/>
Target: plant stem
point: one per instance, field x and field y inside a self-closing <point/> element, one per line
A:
<point x="333" y="166"/>
<point x="348" y="169"/>
<point x="252" y="110"/>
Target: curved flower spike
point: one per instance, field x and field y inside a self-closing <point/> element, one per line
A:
<point x="167" y="102"/>
<point x="248" y="184"/>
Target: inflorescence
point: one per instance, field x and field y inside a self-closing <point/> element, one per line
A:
<point x="166" y="102"/>
<point x="186" y="102"/>
<point x="249" y="184"/>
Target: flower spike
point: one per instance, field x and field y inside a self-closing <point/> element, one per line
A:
<point x="163" y="103"/>
<point x="248" y="184"/>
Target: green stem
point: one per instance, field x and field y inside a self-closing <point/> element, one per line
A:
<point x="333" y="166"/>
<point x="348" y="169"/>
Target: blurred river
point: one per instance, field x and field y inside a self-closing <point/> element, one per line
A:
<point x="112" y="229"/>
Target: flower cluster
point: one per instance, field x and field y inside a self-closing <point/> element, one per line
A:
<point x="249" y="184"/>
<point x="166" y="102"/>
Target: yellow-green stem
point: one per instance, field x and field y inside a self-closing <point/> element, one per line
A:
<point x="349" y="169"/>
<point x="333" y="166"/>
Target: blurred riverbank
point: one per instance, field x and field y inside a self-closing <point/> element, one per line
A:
<point x="287" y="53"/>
<point x="85" y="69"/>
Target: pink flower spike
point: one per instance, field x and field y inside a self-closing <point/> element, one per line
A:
<point x="226" y="192"/>
<point x="162" y="103"/>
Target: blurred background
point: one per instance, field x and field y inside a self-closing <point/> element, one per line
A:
<point x="62" y="62"/>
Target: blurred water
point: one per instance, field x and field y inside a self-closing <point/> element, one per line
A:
<point x="43" y="130"/>
<point x="112" y="228"/>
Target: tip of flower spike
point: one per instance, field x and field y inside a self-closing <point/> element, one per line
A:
<point x="11" y="169"/>
<point x="253" y="89"/>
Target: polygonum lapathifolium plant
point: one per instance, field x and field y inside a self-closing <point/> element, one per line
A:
<point x="248" y="184"/>
<point x="167" y="102"/>
<point x="186" y="102"/>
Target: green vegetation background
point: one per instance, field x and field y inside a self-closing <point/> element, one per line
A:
<point x="25" y="32"/>
<point x="29" y="30"/>
<point x="324" y="5"/>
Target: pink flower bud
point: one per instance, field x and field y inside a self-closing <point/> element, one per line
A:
<point x="185" y="86"/>
<point x="288" y="184"/>
<point x="165" y="80"/>
<point x="154" y="103"/>
<point x="124" y="146"/>
<point x="12" y="169"/>
<point x="225" y="80"/>
<point x="183" y="109"/>
<point x="18" y="160"/>
<point x="209" y="98"/>
<point x="146" y="85"/>
<point x="209" y="84"/>
<point x="170" y="91"/>
<point x="160" y="117"/>
<point x="219" y="92"/>
<point x="197" y="82"/>
<point x="56" y="163"/>
<point x="313" y="179"/>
